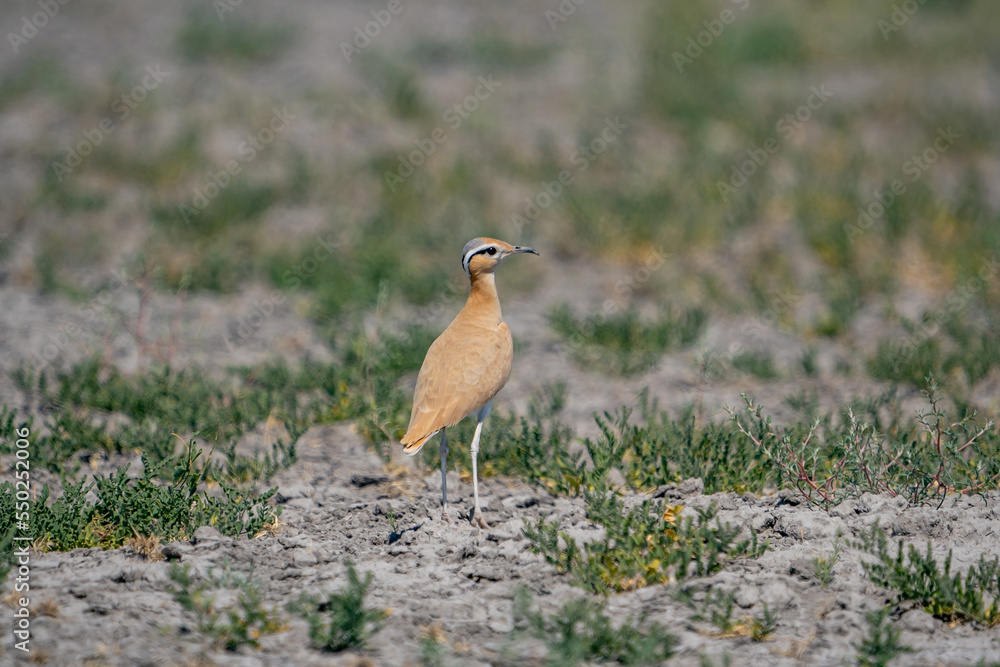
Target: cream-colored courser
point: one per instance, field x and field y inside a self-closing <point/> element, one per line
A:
<point x="467" y="365"/>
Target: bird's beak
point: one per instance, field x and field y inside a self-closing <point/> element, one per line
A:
<point x="518" y="249"/>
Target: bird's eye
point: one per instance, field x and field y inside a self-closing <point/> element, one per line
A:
<point x="491" y="251"/>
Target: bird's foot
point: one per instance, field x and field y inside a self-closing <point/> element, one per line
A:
<point x="445" y="517"/>
<point x="477" y="520"/>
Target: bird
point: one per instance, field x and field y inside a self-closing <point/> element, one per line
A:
<point x="466" y="366"/>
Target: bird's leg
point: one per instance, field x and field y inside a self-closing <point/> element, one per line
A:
<point x="444" y="477"/>
<point x="477" y="515"/>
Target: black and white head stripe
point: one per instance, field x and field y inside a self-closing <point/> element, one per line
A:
<point x="475" y="247"/>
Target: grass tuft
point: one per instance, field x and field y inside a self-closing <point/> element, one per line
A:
<point x="622" y="343"/>
<point x="242" y="624"/>
<point x="142" y="509"/>
<point x="933" y="459"/>
<point x="646" y="545"/>
<point x="758" y="364"/>
<point x="581" y="632"/>
<point x="342" y="621"/>
<point x="881" y="646"/>
<point x="717" y="609"/>
<point x="823" y="565"/>
<point x="917" y="576"/>
<point x="207" y="36"/>
<point x="763" y="626"/>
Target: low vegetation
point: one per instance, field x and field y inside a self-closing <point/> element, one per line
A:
<point x="881" y="646"/>
<point x="823" y="565"/>
<point x="912" y="575"/>
<point x="207" y="34"/>
<point x="239" y="624"/>
<point x="125" y="507"/>
<point x="622" y="343"/>
<point x="717" y="607"/>
<point x="649" y="544"/>
<point x="582" y="633"/>
<point x="95" y="411"/>
<point x="340" y="620"/>
<point x="922" y="461"/>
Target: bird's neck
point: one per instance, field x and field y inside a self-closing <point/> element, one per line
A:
<point x="483" y="303"/>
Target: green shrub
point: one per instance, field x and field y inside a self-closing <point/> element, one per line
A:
<point x="159" y="404"/>
<point x="623" y="343"/>
<point x="763" y="626"/>
<point x="205" y="36"/>
<point x="342" y="621"/>
<point x="648" y="544"/>
<point x="881" y="646"/>
<point x="717" y="609"/>
<point x="663" y="449"/>
<point x="918" y="577"/>
<point x="909" y="363"/>
<point x="758" y="364"/>
<point x="823" y="565"/>
<point x="244" y="623"/>
<point x="922" y="462"/>
<point x="128" y="506"/>
<point x="581" y="632"/>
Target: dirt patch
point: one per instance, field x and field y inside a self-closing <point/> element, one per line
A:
<point x="113" y="607"/>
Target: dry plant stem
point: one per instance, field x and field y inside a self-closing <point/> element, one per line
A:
<point x="928" y="472"/>
<point x="108" y="359"/>
<point x="144" y="286"/>
<point x="937" y="433"/>
<point x="876" y="480"/>
<point x="175" y="324"/>
<point x="145" y="290"/>
<point x="803" y="480"/>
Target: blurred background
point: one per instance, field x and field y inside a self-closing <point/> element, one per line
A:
<point x="727" y="195"/>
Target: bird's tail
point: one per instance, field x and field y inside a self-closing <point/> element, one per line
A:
<point x="414" y="446"/>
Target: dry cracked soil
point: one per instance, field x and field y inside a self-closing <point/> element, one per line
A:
<point x="457" y="583"/>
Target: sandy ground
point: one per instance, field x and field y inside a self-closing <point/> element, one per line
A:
<point x="115" y="608"/>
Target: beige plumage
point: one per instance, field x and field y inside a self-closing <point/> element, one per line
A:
<point x="467" y="365"/>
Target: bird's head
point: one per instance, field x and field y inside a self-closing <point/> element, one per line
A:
<point x="484" y="255"/>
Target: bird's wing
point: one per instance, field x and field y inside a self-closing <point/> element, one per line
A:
<point x="463" y="370"/>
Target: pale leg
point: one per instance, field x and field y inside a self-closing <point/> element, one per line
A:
<point x="444" y="477"/>
<point x="477" y="515"/>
